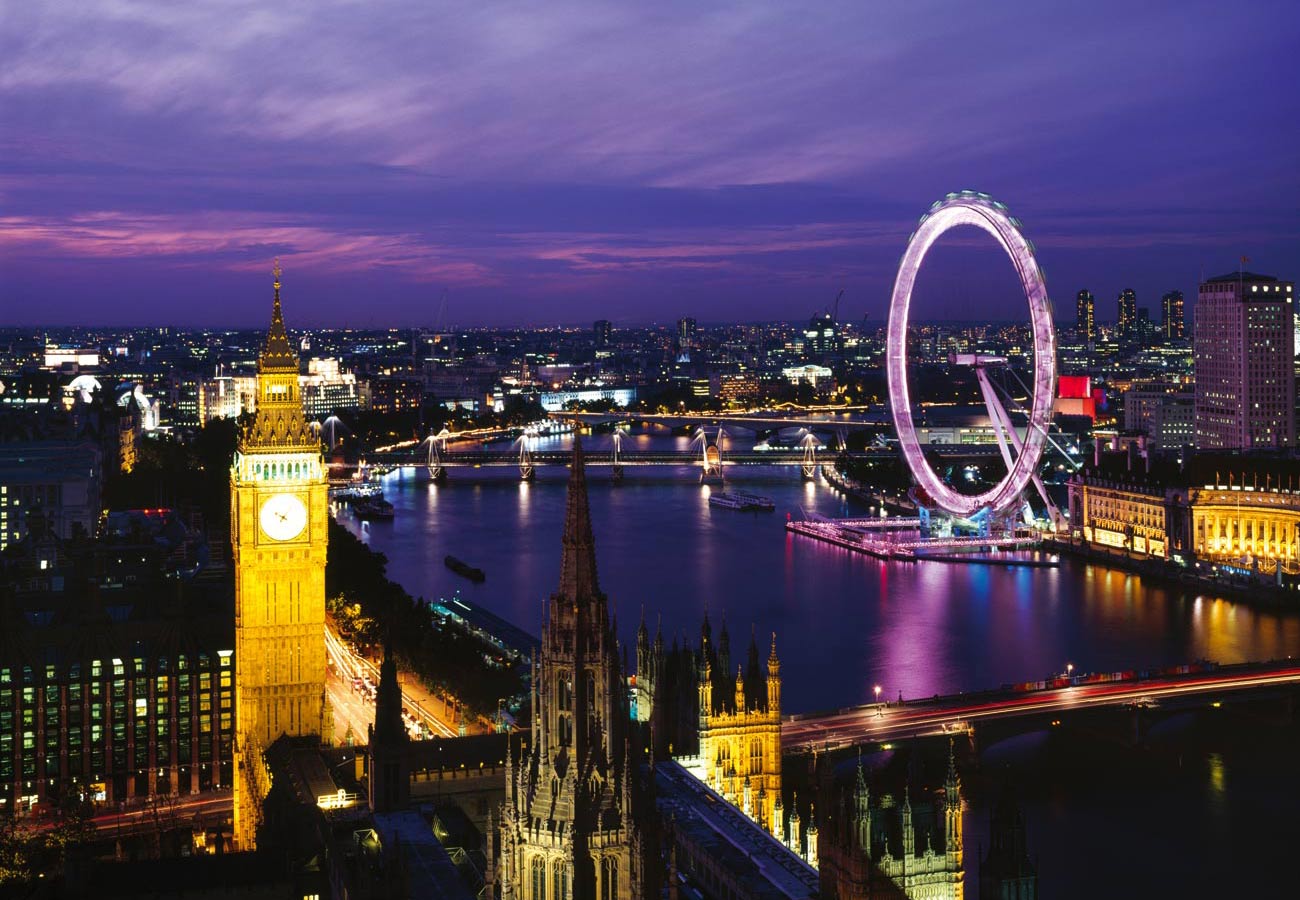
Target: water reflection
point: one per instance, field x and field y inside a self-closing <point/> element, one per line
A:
<point x="1217" y="777"/>
<point x="844" y="621"/>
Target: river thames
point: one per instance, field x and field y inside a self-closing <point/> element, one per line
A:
<point x="844" y="621"/>
<point x="1207" y="797"/>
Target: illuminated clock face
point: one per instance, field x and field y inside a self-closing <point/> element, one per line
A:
<point x="283" y="517"/>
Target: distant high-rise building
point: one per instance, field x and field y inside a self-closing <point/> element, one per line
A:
<point x="686" y="333"/>
<point x="1085" y="316"/>
<point x="1243" y="353"/>
<point x="1172" y="324"/>
<point x="326" y="389"/>
<point x="1164" y="412"/>
<point x="1127" y="324"/>
<point x="821" y="337"/>
<point x="602" y="330"/>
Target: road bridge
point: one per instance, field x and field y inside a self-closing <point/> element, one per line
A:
<point x="1061" y="698"/>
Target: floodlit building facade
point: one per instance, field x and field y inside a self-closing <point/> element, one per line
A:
<point x="279" y="531"/>
<point x="1244" y="358"/>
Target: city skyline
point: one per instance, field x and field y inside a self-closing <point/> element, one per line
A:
<point x="626" y="164"/>
<point x="950" y="350"/>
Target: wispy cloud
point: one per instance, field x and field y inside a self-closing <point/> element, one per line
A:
<point x="574" y="147"/>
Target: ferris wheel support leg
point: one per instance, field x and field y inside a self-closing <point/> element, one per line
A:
<point x="997" y="410"/>
<point x="1001" y="421"/>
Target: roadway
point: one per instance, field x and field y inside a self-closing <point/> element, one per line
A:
<point x="356" y="707"/>
<point x="209" y="809"/>
<point x="880" y="723"/>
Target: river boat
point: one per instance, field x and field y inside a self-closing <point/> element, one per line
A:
<point x="369" y="508"/>
<point x="464" y="569"/>
<point x="745" y="502"/>
<point x="353" y="489"/>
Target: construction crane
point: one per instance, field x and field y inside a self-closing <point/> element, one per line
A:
<point x="835" y="307"/>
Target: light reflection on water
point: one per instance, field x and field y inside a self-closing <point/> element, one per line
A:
<point x="844" y="621"/>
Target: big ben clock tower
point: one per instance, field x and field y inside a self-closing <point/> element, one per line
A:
<point x="279" y="532"/>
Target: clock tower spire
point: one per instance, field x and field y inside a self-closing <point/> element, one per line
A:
<point x="279" y="521"/>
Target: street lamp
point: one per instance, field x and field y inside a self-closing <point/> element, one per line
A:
<point x="1069" y="669"/>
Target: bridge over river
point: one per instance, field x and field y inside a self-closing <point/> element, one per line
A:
<point x="438" y="457"/>
<point x="1048" y="703"/>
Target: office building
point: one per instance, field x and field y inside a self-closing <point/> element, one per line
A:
<point x="116" y="671"/>
<point x="1085" y="316"/>
<point x="327" y="389"/>
<point x="602" y="331"/>
<point x="1165" y="414"/>
<point x="227" y="397"/>
<point x="70" y="359"/>
<point x="821" y="337"/>
<point x="1172" y="325"/>
<point x="686" y="333"/>
<point x="59" y="481"/>
<point x="395" y="394"/>
<point x="1244" y="359"/>
<point x="1127" y="322"/>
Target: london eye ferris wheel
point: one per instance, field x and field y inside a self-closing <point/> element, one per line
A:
<point x="1022" y="456"/>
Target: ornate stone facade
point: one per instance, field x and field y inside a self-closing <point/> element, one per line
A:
<point x="1247" y="524"/>
<point x="279" y="532"/>
<point x="881" y="848"/>
<point x="728" y="733"/>
<point x="740" y="735"/>
<point x="572" y="825"/>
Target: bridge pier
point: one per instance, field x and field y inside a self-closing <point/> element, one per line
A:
<point x="527" y="472"/>
<point x="809" y="472"/>
<point x="437" y="473"/>
<point x="1139" y="723"/>
<point x="616" y="472"/>
<point x="711" y="475"/>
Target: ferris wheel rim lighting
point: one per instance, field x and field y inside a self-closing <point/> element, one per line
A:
<point x="980" y="211"/>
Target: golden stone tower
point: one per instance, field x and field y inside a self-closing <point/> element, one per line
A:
<point x="279" y="518"/>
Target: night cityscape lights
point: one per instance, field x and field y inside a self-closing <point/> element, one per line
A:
<point x="902" y="593"/>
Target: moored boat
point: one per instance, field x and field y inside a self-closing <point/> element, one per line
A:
<point x="462" y="568"/>
<point x="741" y="501"/>
<point x="373" y="508"/>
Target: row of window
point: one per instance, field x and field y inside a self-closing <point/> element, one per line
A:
<point x="74" y="671"/>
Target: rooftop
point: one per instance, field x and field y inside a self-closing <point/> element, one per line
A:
<point x="1233" y="277"/>
<point x="429" y="870"/>
<point x="756" y="858"/>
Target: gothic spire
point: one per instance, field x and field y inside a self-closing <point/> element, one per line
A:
<point x="578" y="560"/>
<point x="277" y="353"/>
<point x="951" y="783"/>
<point x="388" y="702"/>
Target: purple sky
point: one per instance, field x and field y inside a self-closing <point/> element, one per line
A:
<point x="558" y="162"/>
